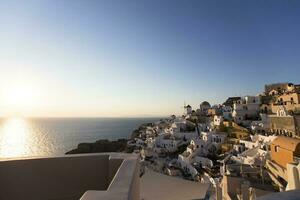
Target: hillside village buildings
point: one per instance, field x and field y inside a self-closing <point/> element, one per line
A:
<point x="284" y="94"/>
<point x="246" y="148"/>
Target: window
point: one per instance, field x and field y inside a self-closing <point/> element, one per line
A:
<point x="276" y="149"/>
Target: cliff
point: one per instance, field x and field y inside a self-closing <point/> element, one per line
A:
<point x="99" y="146"/>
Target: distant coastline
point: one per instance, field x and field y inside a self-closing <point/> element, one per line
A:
<point x="104" y="145"/>
<point x="56" y="136"/>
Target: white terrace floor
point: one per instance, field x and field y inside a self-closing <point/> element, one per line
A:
<point x="159" y="186"/>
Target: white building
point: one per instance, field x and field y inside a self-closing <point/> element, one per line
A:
<point x="254" y="156"/>
<point x="165" y="144"/>
<point x="227" y="112"/>
<point x="258" y="140"/>
<point x="218" y="120"/>
<point x="203" y="161"/>
<point x="239" y="148"/>
<point x="186" y="135"/>
<point x="179" y="124"/>
<point x="204" y="127"/>
<point x="150" y="142"/>
<point x="188" y="110"/>
<point x="184" y="163"/>
<point x="150" y="130"/>
<point x="185" y="160"/>
<point x="246" y="108"/>
<point x="198" y="148"/>
<point x="213" y="138"/>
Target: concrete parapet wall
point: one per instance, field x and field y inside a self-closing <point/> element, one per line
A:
<point x="70" y="177"/>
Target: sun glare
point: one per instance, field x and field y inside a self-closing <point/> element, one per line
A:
<point x="18" y="98"/>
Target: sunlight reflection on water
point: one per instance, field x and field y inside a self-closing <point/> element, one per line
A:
<point x="20" y="137"/>
<point x="27" y="137"/>
<point x="14" y="138"/>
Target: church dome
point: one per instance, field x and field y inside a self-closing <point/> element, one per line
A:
<point x="205" y="103"/>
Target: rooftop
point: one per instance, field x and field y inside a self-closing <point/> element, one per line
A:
<point x="288" y="195"/>
<point x="159" y="186"/>
<point x="205" y="103"/>
<point x="287" y="143"/>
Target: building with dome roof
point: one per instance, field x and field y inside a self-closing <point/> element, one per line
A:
<point x="204" y="106"/>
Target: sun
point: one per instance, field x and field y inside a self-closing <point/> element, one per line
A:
<point x="18" y="95"/>
<point x="21" y="97"/>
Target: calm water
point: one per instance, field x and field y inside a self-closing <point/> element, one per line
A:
<point x="41" y="137"/>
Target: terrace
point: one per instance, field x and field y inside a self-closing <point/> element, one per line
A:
<point x="85" y="177"/>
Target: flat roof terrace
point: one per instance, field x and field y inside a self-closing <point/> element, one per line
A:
<point x="70" y="177"/>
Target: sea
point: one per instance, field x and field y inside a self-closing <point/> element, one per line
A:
<point x="35" y="137"/>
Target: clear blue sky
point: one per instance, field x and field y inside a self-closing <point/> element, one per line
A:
<point x="136" y="58"/>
